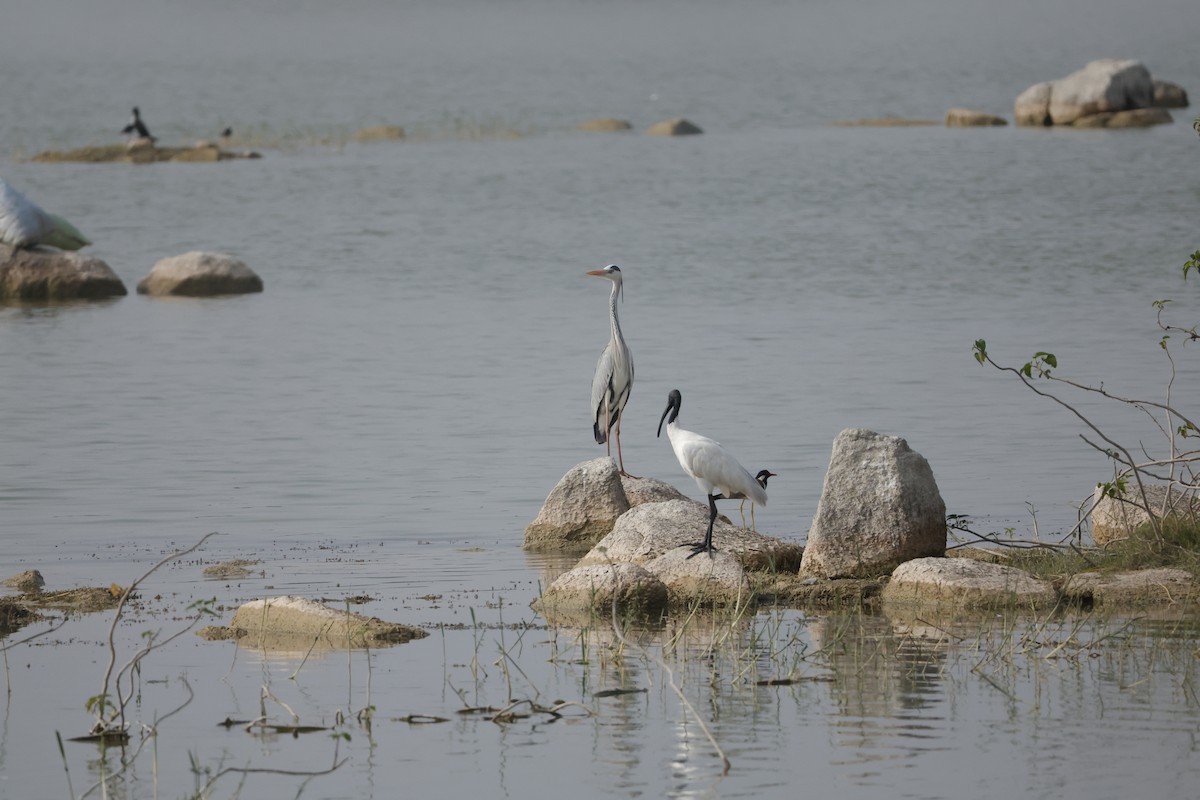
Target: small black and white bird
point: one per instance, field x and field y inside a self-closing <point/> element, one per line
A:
<point x="614" y="373"/>
<point x="717" y="473"/>
<point x="762" y="477"/>
<point x="136" y="128"/>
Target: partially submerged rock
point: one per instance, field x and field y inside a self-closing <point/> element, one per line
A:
<point x="880" y="506"/>
<point x="30" y="581"/>
<point x="234" y="568"/>
<point x="884" y="122"/>
<point x="38" y="275"/>
<point x="1102" y="87"/>
<point x="1168" y="95"/>
<point x="1134" y="118"/>
<point x="1132" y="588"/>
<point x="297" y="623"/>
<point x="14" y="615"/>
<point x="1116" y="518"/>
<point x="966" y="583"/>
<point x="140" y="151"/>
<point x="380" y="133"/>
<point x="604" y="125"/>
<point x="580" y="509"/>
<point x="592" y="590"/>
<point x="968" y="118"/>
<point x="705" y="578"/>
<point x="200" y="274"/>
<point x="674" y="127"/>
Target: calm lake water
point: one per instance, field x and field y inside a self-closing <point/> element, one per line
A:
<point x="390" y="413"/>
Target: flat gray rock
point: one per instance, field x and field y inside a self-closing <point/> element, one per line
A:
<point x="1135" y="587"/>
<point x="966" y="583"/>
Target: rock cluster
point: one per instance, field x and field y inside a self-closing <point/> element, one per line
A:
<point x="1107" y="93"/>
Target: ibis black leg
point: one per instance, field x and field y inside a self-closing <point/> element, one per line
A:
<point x="707" y="544"/>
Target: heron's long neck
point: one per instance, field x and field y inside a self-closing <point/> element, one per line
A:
<point x="614" y="324"/>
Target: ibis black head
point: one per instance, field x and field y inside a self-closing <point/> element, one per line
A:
<point x="762" y="476"/>
<point x="674" y="401"/>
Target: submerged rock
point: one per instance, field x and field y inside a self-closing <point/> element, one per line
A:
<point x="604" y="125"/>
<point x="199" y="274"/>
<point x="380" y="133"/>
<point x="880" y="506"/>
<point x="580" y="509"/>
<point x="966" y="583"/>
<point x="674" y="127"/>
<point x="40" y="275"/>
<point x="967" y="118"/>
<point x="884" y="122"/>
<point x="140" y="151"/>
<point x="1132" y="588"/>
<point x="30" y="581"/>
<point x="296" y="623"/>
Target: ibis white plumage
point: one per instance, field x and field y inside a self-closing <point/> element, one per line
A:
<point x="718" y="474"/>
<point x="614" y="374"/>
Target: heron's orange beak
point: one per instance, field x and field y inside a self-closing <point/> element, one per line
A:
<point x="595" y="272"/>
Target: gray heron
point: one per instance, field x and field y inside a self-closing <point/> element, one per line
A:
<point x="717" y="473"/>
<point x="614" y="374"/>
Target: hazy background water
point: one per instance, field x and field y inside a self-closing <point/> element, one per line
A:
<point x="415" y="377"/>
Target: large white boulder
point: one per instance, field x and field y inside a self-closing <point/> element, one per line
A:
<point x="1104" y="86"/>
<point x="880" y="506"/>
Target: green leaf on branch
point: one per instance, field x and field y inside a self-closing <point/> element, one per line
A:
<point x="1193" y="263"/>
<point x="1048" y="358"/>
<point x="980" y="350"/>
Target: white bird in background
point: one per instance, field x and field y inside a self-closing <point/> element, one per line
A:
<point x="761" y="477"/>
<point x="136" y="128"/>
<point x="614" y="374"/>
<point x="23" y="223"/>
<point x="718" y="474"/>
